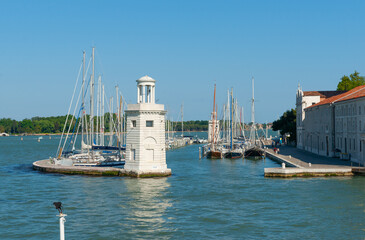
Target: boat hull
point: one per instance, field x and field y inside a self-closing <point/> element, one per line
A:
<point x="255" y="153"/>
<point x="214" y="155"/>
<point x="101" y="164"/>
<point x="233" y="155"/>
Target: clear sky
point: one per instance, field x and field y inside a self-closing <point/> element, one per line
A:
<point x="187" y="46"/>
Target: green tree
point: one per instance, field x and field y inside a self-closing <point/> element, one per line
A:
<point x="6" y="123"/>
<point x="348" y="83"/>
<point x="26" y="126"/>
<point x="287" y="124"/>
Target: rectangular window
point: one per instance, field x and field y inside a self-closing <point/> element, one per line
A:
<point x="134" y="123"/>
<point x="149" y="123"/>
<point x="349" y="144"/>
<point x="133" y="154"/>
<point x="360" y="146"/>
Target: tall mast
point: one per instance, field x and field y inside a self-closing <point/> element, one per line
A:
<point x="253" y="127"/>
<point x="213" y="120"/>
<point x="83" y="99"/>
<point x="111" y="121"/>
<point x="243" y="124"/>
<point x="102" y="118"/>
<point x="118" y="115"/>
<point x="97" y="133"/>
<point x="92" y="99"/>
<point x="240" y="121"/>
<point x="168" y="127"/>
<point x="224" y="122"/>
<point x="236" y="119"/>
<point x="231" y="118"/>
<point x="182" y="119"/>
<point x="121" y="120"/>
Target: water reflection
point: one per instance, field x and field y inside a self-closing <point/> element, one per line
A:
<point x="148" y="204"/>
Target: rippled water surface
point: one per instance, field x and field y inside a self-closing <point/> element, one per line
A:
<point x="203" y="199"/>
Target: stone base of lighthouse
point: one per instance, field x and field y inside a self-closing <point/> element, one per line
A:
<point x="147" y="173"/>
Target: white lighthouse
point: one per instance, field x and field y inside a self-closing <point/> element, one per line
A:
<point x="145" y="150"/>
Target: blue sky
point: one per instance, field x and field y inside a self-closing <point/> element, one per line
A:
<point x="187" y="46"/>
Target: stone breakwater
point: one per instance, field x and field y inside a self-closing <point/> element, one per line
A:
<point x="48" y="167"/>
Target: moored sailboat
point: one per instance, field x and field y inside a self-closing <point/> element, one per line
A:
<point x="92" y="150"/>
<point x="213" y="151"/>
<point x="254" y="149"/>
<point x="234" y="150"/>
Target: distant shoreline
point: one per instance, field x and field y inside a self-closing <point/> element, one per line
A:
<point x="59" y="134"/>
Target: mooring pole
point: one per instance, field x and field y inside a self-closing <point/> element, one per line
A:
<point x="200" y="153"/>
<point x="62" y="216"/>
<point x="62" y="225"/>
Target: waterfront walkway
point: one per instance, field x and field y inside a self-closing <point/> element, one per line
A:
<point x="303" y="158"/>
<point x="301" y="163"/>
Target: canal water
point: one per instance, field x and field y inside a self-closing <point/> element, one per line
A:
<point x="203" y="199"/>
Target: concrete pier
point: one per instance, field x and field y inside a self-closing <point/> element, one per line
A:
<point x="303" y="164"/>
<point x="47" y="166"/>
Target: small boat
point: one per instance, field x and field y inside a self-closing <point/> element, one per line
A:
<point x="255" y="152"/>
<point x="101" y="164"/>
<point x="214" y="154"/>
<point x="233" y="154"/>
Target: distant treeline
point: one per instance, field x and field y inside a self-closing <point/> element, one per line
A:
<point x="191" y="126"/>
<point x="45" y="125"/>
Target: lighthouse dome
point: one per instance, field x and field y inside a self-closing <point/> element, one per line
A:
<point x="146" y="79"/>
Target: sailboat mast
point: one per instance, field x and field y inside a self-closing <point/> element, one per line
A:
<point x="102" y="117"/>
<point x="228" y="121"/>
<point x="121" y="120"/>
<point x="118" y="119"/>
<point x="253" y="101"/>
<point x="236" y="119"/>
<point x="243" y="124"/>
<point x="224" y="122"/>
<point x="97" y="133"/>
<point x="253" y="136"/>
<point x="213" y="120"/>
<point x="83" y="99"/>
<point x="92" y="100"/>
<point x="182" y="120"/>
<point x="231" y="145"/>
<point x="111" y="121"/>
<point x="240" y="120"/>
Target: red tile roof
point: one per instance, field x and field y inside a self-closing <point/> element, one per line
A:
<point x="351" y="94"/>
<point x="322" y="94"/>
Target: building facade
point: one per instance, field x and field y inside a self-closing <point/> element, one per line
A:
<point x="331" y="123"/>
